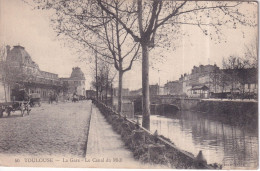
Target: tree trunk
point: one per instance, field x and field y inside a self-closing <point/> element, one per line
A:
<point x="145" y="87"/>
<point x="120" y="87"/>
<point x="112" y="94"/>
<point x="96" y="78"/>
<point x="106" y="93"/>
<point x="5" y="91"/>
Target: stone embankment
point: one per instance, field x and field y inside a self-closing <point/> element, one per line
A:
<point x="151" y="148"/>
<point x="237" y="111"/>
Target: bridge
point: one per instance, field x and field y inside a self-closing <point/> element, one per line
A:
<point x="163" y="102"/>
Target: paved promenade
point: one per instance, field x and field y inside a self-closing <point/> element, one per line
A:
<point x="105" y="143"/>
<point x="62" y="135"/>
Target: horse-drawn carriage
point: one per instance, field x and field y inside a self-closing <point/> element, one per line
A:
<point x="20" y="102"/>
<point x="35" y="98"/>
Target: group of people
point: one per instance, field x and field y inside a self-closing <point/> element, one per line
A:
<point x="20" y="94"/>
<point x="53" y="97"/>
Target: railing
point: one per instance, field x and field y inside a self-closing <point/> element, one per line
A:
<point x="149" y="147"/>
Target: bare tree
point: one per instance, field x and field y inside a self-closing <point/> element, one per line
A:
<point x="144" y="20"/>
<point x="235" y="69"/>
<point x="214" y="78"/>
<point x="251" y="54"/>
<point x="3" y="73"/>
<point x="223" y="81"/>
<point x="105" y="77"/>
<point x="99" y="32"/>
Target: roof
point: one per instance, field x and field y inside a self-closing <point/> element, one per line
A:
<point x="200" y="88"/>
<point x="19" y="54"/>
<point x="77" y="74"/>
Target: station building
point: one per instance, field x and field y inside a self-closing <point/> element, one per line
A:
<point x="75" y="83"/>
<point x="20" y="69"/>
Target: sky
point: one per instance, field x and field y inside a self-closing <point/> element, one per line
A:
<point x="21" y="25"/>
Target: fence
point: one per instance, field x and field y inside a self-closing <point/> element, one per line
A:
<point x="151" y="148"/>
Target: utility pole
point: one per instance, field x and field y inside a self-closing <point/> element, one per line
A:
<point x="159" y="82"/>
<point x="96" y="77"/>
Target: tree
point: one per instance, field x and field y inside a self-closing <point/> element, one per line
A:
<point x="103" y="80"/>
<point x="251" y="54"/>
<point x="154" y="16"/>
<point x="98" y="32"/>
<point x="223" y="81"/>
<point x="235" y="68"/>
<point x="3" y="73"/>
<point x="150" y="18"/>
<point x="214" y="78"/>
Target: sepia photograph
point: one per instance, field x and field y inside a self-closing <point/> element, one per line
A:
<point x="129" y="84"/>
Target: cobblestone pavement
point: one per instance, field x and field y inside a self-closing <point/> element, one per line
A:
<point x="63" y="135"/>
<point x="52" y="129"/>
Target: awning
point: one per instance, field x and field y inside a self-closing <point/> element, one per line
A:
<point x="200" y="88"/>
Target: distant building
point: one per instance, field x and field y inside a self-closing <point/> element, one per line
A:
<point x="209" y="79"/>
<point x="75" y="83"/>
<point x="125" y="92"/>
<point x="136" y="92"/>
<point x="200" y="92"/>
<point x="154" y="89"/>
<point x="250" y="82"/>
<point x="22" y="70"/>
<point x="173" y="88"/>
<point x="201" y="76"/>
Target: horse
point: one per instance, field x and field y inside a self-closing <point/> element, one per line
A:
<point x="75" y="98"/>
<point x="52" y="98"/>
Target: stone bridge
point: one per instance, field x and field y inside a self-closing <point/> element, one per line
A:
<point x="164" y="101"/>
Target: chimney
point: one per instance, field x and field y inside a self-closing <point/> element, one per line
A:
<point x="8" y="49"/>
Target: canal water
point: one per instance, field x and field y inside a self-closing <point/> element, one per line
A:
<point x="222" y="140"/>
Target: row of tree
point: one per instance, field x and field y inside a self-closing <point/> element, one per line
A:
<point x="236" y="71"/>
<point x="121" y="31"/>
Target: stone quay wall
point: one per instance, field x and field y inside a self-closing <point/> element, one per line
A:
<point x="245" y="112"/>
<point x="151" y="148"/>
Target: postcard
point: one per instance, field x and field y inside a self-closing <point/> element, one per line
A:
<point x="130" y="84"/>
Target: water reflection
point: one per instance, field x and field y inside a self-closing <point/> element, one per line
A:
<point x="232" y="144"/>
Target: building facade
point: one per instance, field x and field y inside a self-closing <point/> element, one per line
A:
<point x="22" y="70"/>
<point x="173" y="88"/>
<point x="125" y="92"/>
<point x="75" y="83"/>
<point x="209" y="80"/>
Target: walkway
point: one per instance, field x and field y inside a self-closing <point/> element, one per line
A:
<point x="105" y="144"/>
